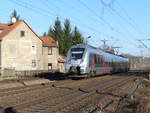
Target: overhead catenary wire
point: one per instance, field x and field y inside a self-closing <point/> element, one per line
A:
<point x="127" y="32"/>
<point x="48" y="6"/>
<point x="85" y="25"/>
<point x="28" y="7"/>
<point x="43" y="12"/>
<point x="122" y="17"/>
<point x="144" y="45"/>
<point x="96" y="15"/>
<point x="92" y="11"/>
<point x="131" y="23"/>
<point x="95" y="20"/>
<point x="129" y="17"/>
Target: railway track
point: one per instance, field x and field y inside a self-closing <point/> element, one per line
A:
<point x="25" y="88"/>
<point x="81" y="101"/>
<point x="23" y="97"/>
<point x="62" y="94"/>
<point x="81" y="92"/>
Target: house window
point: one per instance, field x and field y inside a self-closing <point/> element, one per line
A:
<point x="33" y="63"/>
<point x="49" y="66"/>
<point x="33" y="49"/>
<point x="22" y="33"/>
<point x="49" y="50"/>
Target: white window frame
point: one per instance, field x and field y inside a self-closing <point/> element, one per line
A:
<point x="33" y="49"/>
<point x="33" y="64"/>
<point x="50" y="51"/>
<point x="50" y="67"/>
<point x="22" y="32"/>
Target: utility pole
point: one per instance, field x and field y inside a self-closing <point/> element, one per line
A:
<point x="141" y="52"/>
<point x="104" y="44"/>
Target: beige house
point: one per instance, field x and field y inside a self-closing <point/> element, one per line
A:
<point x="50" y="53"/>
<point x="22" y="49"/>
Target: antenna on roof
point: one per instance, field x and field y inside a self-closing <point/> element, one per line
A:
<point x="13" y="19"/>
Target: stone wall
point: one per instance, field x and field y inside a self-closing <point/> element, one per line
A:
<point x="12" y="74"/>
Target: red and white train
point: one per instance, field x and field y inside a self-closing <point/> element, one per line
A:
<point x="86" y="60"/>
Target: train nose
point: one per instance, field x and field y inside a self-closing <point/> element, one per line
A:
<point x="75" y="69"/>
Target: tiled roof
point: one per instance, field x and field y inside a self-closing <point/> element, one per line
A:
<point x="3" y="26"/>
<point x="49" y="41"/>
<point x="7" y="28"/>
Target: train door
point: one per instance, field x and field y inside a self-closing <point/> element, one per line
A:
<point x="112" y="65"/>
<point x="100" y="64"/>
<point x="104" y="65"/>
<point x="92" y="64"/>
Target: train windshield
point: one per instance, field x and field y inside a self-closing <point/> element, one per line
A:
<point x="77" y="53"/>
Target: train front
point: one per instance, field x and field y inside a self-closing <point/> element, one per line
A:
<point x="76" y="60"/>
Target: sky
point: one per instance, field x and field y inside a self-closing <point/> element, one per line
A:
<point x="121" y="22"/>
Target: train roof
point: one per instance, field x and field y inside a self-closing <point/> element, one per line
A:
<point x="89" y="46"/>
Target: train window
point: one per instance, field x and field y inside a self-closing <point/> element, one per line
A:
<point x="102" y="59"/>
<point x="95" y="59"/>
<point x="98" y="59"/>
<point x="77" y="49"/>
<point x="77" y="53"/>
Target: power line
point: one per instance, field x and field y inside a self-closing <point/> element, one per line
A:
<point x="110" y="4"/>
<point x="93" y="12"/>
<point x="144" y="44"/>
<point x="89" y="27"/>
<point x="126" y="21"/>
<point x="40" y="11"/>
<point x="95" y="30"/>
<point x="129" y="17"/>
<point x="92" y="18"/>
<point x="122" y="17"/>
<point x="79" y="18"/>
<point x="28" y="7"/>
<point x="118" y="14"/>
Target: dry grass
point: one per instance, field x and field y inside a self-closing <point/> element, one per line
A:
<point x="143" y="106"/>
<point x="141" y="101"/>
